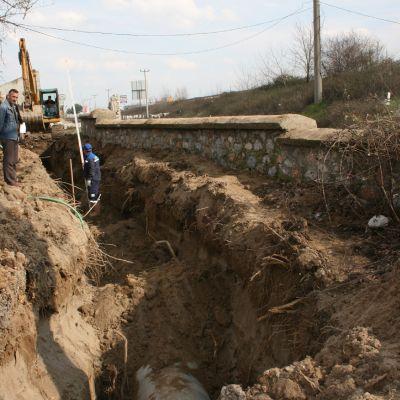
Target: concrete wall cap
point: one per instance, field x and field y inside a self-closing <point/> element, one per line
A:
<point x="312" y="137"/>
<point x="285" y="122"/>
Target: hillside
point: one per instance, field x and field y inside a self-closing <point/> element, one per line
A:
<point x="348" y="97"/>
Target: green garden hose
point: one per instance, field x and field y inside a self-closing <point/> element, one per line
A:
<point x="59" y="201"/>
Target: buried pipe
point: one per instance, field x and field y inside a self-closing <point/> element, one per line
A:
<point x="171" y="383"/>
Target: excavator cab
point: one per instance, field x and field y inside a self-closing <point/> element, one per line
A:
<point x="50" y="105"/>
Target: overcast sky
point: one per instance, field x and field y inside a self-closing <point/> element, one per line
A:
<point x="94" y="70"/>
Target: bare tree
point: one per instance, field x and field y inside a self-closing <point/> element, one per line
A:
<point x="13" y="8"/>
<point x="165" y="94"/>
<point x="273" y="68"/>
<point x="218" y="89"/>
<point x="303" y="50"/>
<point x="246" y="79"/>
<point x="10" y="10"/>
<point x="181" y="93"/>
<point x="351" y="52"/>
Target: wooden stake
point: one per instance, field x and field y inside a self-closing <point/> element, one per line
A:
<point x="124" y="377"/>
<point x="71" y="171"/>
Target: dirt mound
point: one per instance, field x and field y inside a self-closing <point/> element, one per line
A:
<point x="43" y="252"/>
<point x="350" y="366"/>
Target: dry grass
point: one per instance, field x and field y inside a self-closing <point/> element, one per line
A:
<point x="98" y="263"/>
<point x="369" y="162"/>
<point x="353" y="94"/>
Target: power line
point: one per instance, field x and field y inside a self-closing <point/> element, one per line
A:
<point x="151" y="34"/>
<point x="156" y="53"/>
<point x="238" y="28"/>
<point x="361" y="13"/>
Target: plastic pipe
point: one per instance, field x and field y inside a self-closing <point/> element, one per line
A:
<point x="171" y="383"/>
<point x="75" y="115"/>
<point x="59" y="201"/>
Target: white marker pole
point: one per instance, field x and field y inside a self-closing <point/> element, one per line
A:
<point x="76" y="125"/>
<point x="75" y="115"/>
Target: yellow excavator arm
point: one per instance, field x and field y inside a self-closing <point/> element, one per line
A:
<point x="29" y="77"/>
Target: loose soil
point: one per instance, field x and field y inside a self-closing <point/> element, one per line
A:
<point x="248" y="281"/>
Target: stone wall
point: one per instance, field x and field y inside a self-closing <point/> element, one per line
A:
<point x="285" y="146"/>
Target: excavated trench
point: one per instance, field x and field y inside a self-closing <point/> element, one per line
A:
<point x="198" y="279"/>
<point x="207" y="275"/>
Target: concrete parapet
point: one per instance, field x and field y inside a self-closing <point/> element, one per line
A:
<point x="286" y="122"/>
<point x="100" y="114"/>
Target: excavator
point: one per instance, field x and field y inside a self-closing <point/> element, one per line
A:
<point x="41" y="106"/>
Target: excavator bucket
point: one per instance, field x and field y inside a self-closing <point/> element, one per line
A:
<point x="33" y="119"/>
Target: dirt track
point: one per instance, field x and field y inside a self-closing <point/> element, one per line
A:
<point x="257" y="284"/>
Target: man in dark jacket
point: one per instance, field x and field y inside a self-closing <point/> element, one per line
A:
<point x="92" y="173"/>
<point x="9" y="134"/>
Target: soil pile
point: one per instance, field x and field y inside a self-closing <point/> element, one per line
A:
<point x="350" y="366"/>
<point x="46" y="349"/>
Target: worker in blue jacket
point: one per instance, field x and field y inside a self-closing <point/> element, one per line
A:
<point x="91" y="173"/>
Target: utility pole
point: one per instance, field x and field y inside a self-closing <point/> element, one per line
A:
<point x="137" y="87"/>
<point x="317" y="53"/>
<point x="108" y="96"/>
<point x="94" y="100"/>
<point x="146" y="90"/>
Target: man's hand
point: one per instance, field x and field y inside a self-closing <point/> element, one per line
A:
<point x="88" y="182"/>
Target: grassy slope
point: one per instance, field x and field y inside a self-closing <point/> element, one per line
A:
<point x="348" y="97"/>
